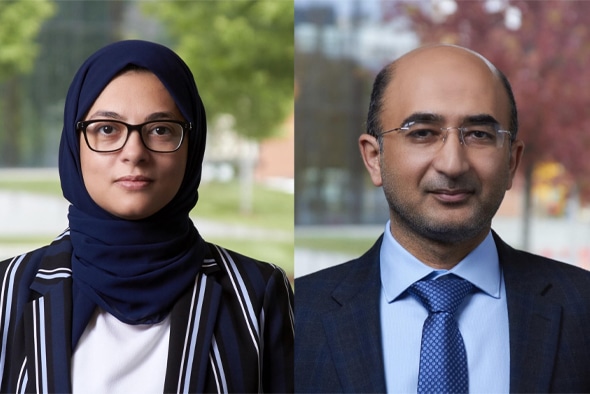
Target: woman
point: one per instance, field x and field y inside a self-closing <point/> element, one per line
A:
<point x="131" y="298"/>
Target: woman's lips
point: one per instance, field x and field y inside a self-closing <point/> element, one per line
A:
<point x="134" y="182"/>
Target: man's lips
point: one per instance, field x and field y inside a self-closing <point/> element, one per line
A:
<point x="134" y="182"/>
<point x="452" y="195"/>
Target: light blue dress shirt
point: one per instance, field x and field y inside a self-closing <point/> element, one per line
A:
<point x="482" y="318"/>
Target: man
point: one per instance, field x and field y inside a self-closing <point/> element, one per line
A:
<point x="441" y="141"/>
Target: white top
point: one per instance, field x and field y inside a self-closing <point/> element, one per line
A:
<point x="114" y="357"/>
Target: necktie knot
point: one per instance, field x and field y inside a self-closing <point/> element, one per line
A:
<point x="443" y="295"/>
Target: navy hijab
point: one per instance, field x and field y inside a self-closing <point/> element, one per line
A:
<point x="134" y="270"/>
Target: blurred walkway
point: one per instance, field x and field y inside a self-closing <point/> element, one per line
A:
<point x="26" y="214"/>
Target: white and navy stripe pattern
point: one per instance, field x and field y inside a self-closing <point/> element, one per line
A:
<point x="231" y="332"/>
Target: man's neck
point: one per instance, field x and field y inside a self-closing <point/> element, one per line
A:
<point x="436" y="254"/>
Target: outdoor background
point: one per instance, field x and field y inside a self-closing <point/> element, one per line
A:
<point x="244" y="55"/>
<point x="241" y="54"/>
<point x="544" y="49"/>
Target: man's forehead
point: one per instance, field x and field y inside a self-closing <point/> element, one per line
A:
<point x="440" y="52"/>
<point x="443" y="67"/>
<point x="449" y="81"/>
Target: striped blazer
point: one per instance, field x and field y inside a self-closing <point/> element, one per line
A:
<point x="231" y="332"/>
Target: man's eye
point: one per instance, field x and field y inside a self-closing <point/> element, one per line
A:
<point x="422" y="133"/>
<point x="480" y="134"/>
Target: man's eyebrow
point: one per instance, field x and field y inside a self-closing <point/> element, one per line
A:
<point x="480" y="119"/>
<point x="427" y="117"/>
<point x="423" y="117"/>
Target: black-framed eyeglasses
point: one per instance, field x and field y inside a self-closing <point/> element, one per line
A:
<point x="431" y="135"/>
<point x="105" y="135"/>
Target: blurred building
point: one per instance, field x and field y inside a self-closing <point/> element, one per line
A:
<point x="340" y="47"/>
<point x="276" y="161"/>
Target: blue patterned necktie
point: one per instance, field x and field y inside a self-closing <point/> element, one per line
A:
<point x="443" y="361"/>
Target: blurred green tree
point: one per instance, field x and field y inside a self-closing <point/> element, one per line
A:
<point x="241" y="53"/>
<point x="20" y="22"/>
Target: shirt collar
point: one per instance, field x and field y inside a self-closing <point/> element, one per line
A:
<point x="400" y="269"/>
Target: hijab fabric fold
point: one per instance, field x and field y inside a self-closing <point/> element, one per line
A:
<point x="134" y="270"/>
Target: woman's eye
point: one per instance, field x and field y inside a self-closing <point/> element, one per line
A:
<point x="106" y="129"/>
<point x="161" y="130"/>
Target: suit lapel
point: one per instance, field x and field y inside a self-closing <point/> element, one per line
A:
<point x="534" y="323"/>
<point x="354" y="330"/>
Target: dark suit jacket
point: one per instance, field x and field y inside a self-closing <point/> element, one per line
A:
<point x="232" y="331"/>
<point x="337" y="325"/>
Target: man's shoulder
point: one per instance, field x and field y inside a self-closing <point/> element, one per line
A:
<point x="526" y="270"/>
<point x="342" y="281"/>
<point x="340" y="272"/>
<point x="526" y="262"/>
<point x="327" y="278"/>
<point x="556" y="271"/>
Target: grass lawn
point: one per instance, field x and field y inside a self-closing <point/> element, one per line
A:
<point x="48" y="187"/>
<point x="271" y="209"/>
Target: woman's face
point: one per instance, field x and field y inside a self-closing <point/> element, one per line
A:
<point x="134" y="182"/>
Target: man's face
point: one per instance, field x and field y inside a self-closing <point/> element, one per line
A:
<point x="448" y="194"/>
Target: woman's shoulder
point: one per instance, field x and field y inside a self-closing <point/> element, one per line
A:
<point x="254" y="282"/>
<point x="29" y="259"/>
<point x="235" y="263"/>
<point x="20" y="272"/>
<point x="24" y="267"/>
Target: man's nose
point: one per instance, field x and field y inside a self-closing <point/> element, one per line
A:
<point x="451" y="159"/>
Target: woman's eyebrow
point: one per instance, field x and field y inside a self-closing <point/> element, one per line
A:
<point x="105" y="114"/>
<point x="161" y="115"/>
<point x="116" y="116"/>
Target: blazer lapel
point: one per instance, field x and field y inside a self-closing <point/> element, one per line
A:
<point x="534" y="323"/>
<point x="354" y="330"/>
<point x="191" y="334"/>
<point x="48" y="329"/>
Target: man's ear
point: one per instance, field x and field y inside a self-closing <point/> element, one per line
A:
<point x="516" y="151"/>
<point x="371" y="153"/>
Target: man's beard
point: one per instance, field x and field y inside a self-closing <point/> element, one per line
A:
<point x="443" y="231"/>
